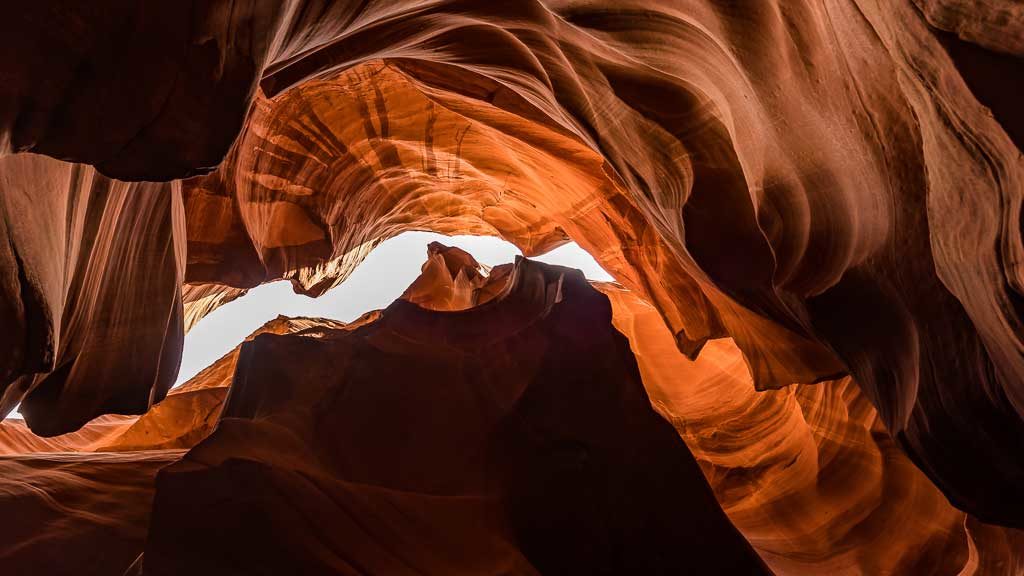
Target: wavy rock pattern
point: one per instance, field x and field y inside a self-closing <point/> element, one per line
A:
<point x="832" y="259"/>
<point x="91" y="292"/>
<point x="807" y="474"/>
<point x="88" y="494"/>
<point x="75" y="512"/>
<point x="482" y="461"/>
<point x="188" y="414"/>
<point x="835" y="185"/>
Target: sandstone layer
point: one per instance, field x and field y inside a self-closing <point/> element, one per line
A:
<point x="807" y="474"/>
<point x="446" y="442"/>
<point x="833" y="185"/>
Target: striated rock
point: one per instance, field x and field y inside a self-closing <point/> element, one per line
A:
<point x="801" y="194"/>
<point x="190" y="412"/>
<point x="88" y="494"/>
<point x="76" y="513"/>
<point x="512" y="437"/>
<point x="17" y="438"/>
<point x="834" y="185"/>
<point x="807" y="473"/>
<point x="832" y="260"/>
<point x="90" y="292"/>
<point x="993" y="24"/>
<point x="187" y="415"/>
<point x="994" y="550"/>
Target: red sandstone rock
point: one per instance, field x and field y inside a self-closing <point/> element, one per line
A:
<point x="79" y="503"/>
<point x="90" y="292"/>
<point x="806" y="474"/>
<point x="835" y="185"/>
<point x="511" y="437"/>
<point x="76" y="513"/>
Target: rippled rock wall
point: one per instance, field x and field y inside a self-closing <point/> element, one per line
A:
<point x="835" y="185"/>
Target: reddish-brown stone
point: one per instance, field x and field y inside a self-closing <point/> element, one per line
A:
<point x="836" y="186"/>
<point x="511" y="437"/>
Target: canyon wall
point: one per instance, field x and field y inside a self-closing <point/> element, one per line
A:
<point x="833" y="185"/>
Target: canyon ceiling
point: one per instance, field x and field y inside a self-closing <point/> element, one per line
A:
<point x="811" y="361"/>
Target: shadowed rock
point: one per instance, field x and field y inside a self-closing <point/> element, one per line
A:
<point x="513" y="437"/>
<point x="834" y="185"/>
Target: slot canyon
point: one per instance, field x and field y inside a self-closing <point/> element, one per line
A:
<point x="810" y="359"/>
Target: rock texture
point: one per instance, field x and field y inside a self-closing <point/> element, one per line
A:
<point x="834" y="185"/>
<point x="806" y="474"/>
<point x="90" y="292"/>
<point x="88" y="494"/>
<point x="76" y="513"/>
<point x="187" y="415"/>
<point x="511" y="437"/>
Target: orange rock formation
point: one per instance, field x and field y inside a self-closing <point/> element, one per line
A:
<point x="833" y="185"/>
<point x="808" y="476"/>
<point x="446" y="442"/>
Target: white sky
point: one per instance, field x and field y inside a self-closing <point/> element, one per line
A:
<point x="378" y="281"/>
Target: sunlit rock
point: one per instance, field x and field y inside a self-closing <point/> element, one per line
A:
<point x="833" y="185"/>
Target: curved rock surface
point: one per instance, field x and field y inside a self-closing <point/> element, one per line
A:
<point x="807" y="474"/>
<point x="88" y="494"/>
<point x="835" y="185"/>
<point x="191" y="411"/>
<point x="90" y="292"/>
<point x="76" y="513"/>
<point x="446" y="442"/>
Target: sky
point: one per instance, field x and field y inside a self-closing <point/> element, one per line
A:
<point x="378" y="280"/>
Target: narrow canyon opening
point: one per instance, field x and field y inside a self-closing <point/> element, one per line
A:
<point x="378" y="280"/>
<point x="257" y="318"/>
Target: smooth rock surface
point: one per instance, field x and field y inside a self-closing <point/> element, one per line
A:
<point x="834" y="185"/>
<point x="446" y="442"/>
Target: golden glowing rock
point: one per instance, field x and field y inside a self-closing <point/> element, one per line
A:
<point x="833" y="185"/>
